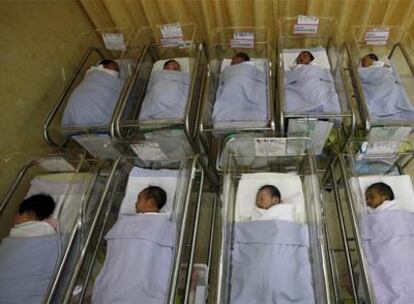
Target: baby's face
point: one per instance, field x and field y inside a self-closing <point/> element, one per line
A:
<point x="264" y="200"/>
<point x="144" y="204"/>
<point x="172" y="66"/>
<point x="24" y="217"/>
<point x="236" y="60"/>
<point x="366" y="61"/>
<point x="374" y="199"/>
<point x="304" y="58"/>
<point x="112" y="66"/>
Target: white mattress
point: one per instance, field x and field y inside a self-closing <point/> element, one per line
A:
<point x="400" y="185"/>
<point x="185" y="64"/>
<point x="289" y="185"/>
<point x="141" y="178"/>
<point x="321" y="57"/>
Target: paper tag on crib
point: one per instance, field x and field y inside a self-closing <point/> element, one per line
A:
<point x="172" y="42"/>
<point x="148" y="151"/>
<point x="244" y="40"/>
<point x="114" y="41"/>
<point x="56" y="164"/>
<point x="270" y="146"/>
<point x="378" y="149"/>
<point x="377" y="36"/>
<point x="171" y="30"/>
<point x="306" y="25"/>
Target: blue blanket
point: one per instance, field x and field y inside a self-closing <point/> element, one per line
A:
<point x="385" y="96"/>
<point x="166" y="96"/>
<point x="271" y="264"/>
<point x="92" y="103"/>
<point x="241" y="95"/>
<point x="311" y="89"/>
<point x="26" y="268"/>
<point x="138" y="262"/>
<point x="388" y="239"/>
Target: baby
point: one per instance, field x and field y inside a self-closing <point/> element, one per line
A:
<point x="304" y="57"/>
<point x="269" y="206"/>
<point x="240" y="58"/>
<point x="380" y="197"/>
<point x="368" y="60"/>
<point x="31" y="216"/>
<point x="108" y="66"/>
<point x="172" y="65"/>
<point x="151" y="200"/>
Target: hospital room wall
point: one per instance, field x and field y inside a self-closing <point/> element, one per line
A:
<point x="208" y="14"/>
<point x="35" y="38"/>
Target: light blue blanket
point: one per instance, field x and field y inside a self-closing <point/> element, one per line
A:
<point x="271" y="263"/>
<point x="166" y="96"/>
<point x="241" y="95"/>
<point x="26" y="268"/>
<point x="388" y="239"/>
<point x="310" y="89"/>
<point x="138" y="261"/>
<point x="385" y="95"/>
<point x="92" y="103"/>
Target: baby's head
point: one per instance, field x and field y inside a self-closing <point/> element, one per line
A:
<point x="267" y="196"/>
<point x="305" y="57"/>
<point x="377" y="193"/>
<point x="239" y="58"/>
<point x="151" y="199"/>
<point x="172" y="65"/>
<point x="35" y="208"/>
<point x="368" y="60"/>
<point x="109" y="64"/>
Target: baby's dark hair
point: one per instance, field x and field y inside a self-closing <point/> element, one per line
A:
<point x="383" y="189"/>
<point x="107" y="61"/>
<point x="170" y="61"/>
<point x="42" y="205"/>
<point x="243" y="56"/>
<point x="309" y="53"/>
<point x="157" y="194"/>
<point x="274" y="192"/>
<point x="372" y="56"/>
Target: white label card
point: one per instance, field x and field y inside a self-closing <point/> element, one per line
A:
<point x="306" y="25"/>
<point x="172" y="42"/>
<point x="171" y="30"/>
<point x="148" y="151"/>
<point x="56" y="164"/>
<point x="270" y="146"/>
<point x="242" y="40"/>
<point x="377" y="36"/>
<point x="114" y="41"/>
<point x="378" y="149"/>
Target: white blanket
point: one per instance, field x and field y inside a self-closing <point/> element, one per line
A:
<point x="241" y="95"/>
<point x="166" y="96"/>
<point x="93" y="101"/>
<point x="32" y="229"/>
<point x="138" y="262"/>
<point x="384" y="94"/>
<point x="310" y="88"/>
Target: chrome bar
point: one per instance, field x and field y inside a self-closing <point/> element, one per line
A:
<point x="194" y="240"/>
<point x="356" y="232"/>
<point x="89" y="236"/>
<point x="344" y="235"/>
<point x="176" y="266"/>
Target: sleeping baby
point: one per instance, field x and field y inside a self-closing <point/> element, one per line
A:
<point x="151" y="200"/>
<point x="30" y="220"/>
<point x="380" y="197"/>
<point x="269" y="205"/>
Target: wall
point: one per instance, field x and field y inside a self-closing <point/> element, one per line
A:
<point x="34" y="36"/>
<point x="208" y="14"/>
